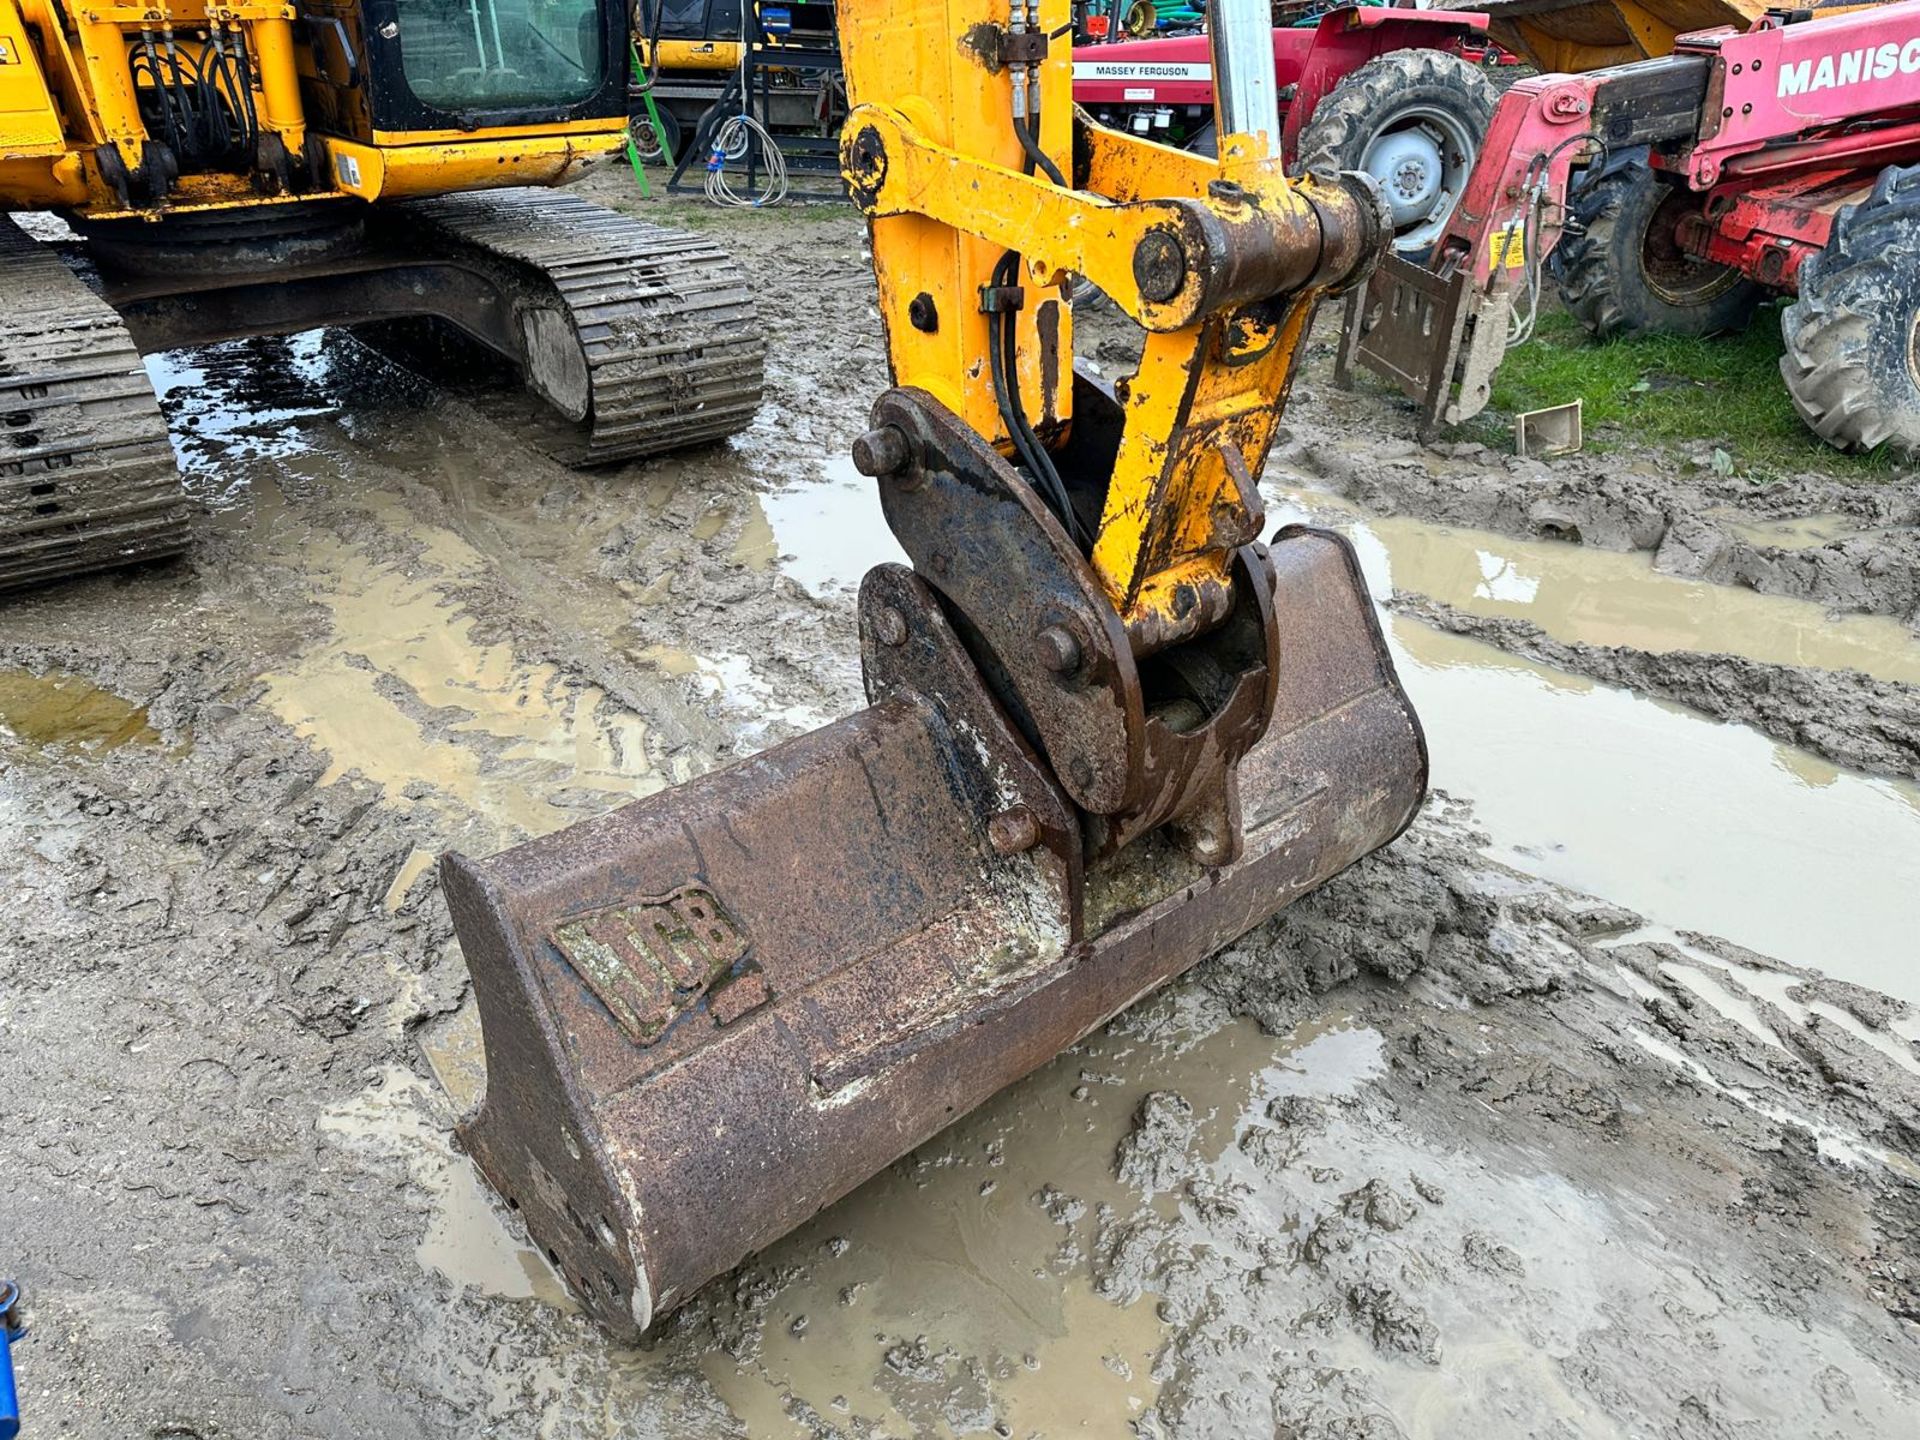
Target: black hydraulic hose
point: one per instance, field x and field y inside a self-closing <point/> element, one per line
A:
<point x="146" y="60"/>
<point x="246" y="85"/>
<point x="1004" y="356"/>
<point x="227" y="74"/>
<point x="1035" y="155"/>
<point x="204" y="102"/>
<point x="652" y="74"/>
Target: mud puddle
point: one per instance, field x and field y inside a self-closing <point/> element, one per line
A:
<point x="825" y="534"/>
<point x="68" y="712"/>
<point x="403" y="690"/>
<point x="981" y="1238"/>
<point x="236" y="404"/>
<point x="395" y="1118"/>
<point x="1689" y="822"/>
<point x="1583" y="595"/>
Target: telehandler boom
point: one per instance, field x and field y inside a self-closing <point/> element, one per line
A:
<point x="1110" y="730"/>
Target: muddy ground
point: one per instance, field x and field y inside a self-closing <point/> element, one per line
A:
<point x="1589" y="1108"/>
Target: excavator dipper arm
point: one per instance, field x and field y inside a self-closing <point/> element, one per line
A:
<point x="1109" y="730"/>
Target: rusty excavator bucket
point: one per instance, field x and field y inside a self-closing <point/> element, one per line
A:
<point x="1108" y="730"/>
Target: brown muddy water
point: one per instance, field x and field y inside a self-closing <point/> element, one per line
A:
<point x="978" y="1238"/>
<point x="496" y="647"/>
<point x="67" y="711"/>
<point x="1693" y="823"/>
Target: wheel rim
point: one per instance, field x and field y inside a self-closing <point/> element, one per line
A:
<point x="646" y="139"/>
<point x="1421" y="155"/>
<point x="1680" y="278"/>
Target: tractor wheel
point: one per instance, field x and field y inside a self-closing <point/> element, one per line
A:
<point x="653" y="142"/>
<point x="1414" y="120"/>
<point x="1853" y="337"/>
<point x="1621" y="270"/>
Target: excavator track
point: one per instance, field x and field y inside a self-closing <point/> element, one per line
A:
<point x="87" y="478"/>
<point x="665" y="320"/>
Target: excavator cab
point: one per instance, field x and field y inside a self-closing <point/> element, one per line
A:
<point x="395" y="69"/>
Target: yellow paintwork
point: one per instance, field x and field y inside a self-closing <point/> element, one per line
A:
<point x="1572" y="37"/>
<point x="274" y="54"/>
<point x="67" y="90"/>
<point x="693" y="54"/>
<point x="43" y="181"/>
<point x="395" y="172"/>
<point x="29" y="125"/>
<point x="908" y="49"/>
<point x="955" y="197"/>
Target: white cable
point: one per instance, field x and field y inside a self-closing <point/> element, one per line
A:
<point x="1521" y="323"/>
<point x="733" y="139"/>
<point x="736" y="137"/>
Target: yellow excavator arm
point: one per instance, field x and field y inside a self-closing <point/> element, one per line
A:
<point x="1220" y="262"/>
<point x="1109" y="730"/>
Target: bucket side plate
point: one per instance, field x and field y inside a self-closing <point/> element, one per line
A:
<point x="716" y="1011"/>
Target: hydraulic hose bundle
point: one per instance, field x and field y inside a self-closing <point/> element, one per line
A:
<point x="199" y="97"/>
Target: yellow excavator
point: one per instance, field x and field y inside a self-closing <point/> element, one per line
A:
<point x="267" y="166"/>
<point x="1112" y="724"/>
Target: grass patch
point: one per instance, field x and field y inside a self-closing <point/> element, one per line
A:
<point x="1673" y="389"/>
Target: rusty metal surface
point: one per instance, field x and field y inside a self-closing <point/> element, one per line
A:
<point x="885" y="935"/>
<point x="1136" y="739"/>
<point x="909" y="648"/>
<point x="980" y="535"/>
<point x="1438" y="338"/>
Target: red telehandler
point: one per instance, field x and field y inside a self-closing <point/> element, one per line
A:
<point x="1676" y="194"/>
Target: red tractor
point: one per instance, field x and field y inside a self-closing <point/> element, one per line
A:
<point x="1385" y="90"/>
<point x="1677" y="194"/>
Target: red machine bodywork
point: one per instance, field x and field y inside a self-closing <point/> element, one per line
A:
<point x="1776" y="87"/>
<point x="1307" y="63"/>
<point x="1785" y="124"/>
<point x="1769" y="231"/>
<point x="1797" y="121"/>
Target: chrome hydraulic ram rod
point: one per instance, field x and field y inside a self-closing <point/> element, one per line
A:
<point x="1245" y="102"/>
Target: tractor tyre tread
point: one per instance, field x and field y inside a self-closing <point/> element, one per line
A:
<point x="1597" y="265"/>
<point x="1336" y="135"/>
<point x="1849" y="337"/>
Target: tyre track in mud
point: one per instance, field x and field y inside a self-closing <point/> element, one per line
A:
<point x="1852" y="719"/>
<point x="220" y="939"/>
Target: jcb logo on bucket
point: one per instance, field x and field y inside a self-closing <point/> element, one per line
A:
<point x="650" y="961"/>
